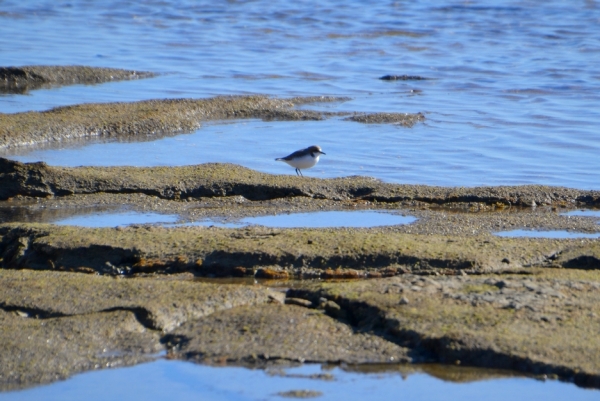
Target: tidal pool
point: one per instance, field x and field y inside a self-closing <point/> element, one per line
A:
<point x="116" y="219"/>
<point x="584" y="213"/>
<point x="176" y="380"/>
<point x="362" y="218"/>
<point x="328" y="219"/>
<point x="546" y="234"/>
<point x="367" y="218"/>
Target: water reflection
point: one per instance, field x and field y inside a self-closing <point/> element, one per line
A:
<point x="115" y="216"/>
<point x="327" y="219"/>
<point x="546" y="234"/>
<point x="117" y="219"/>
<point x="97" y="216"/>
<point x="584" y="213"/>
<point x="164" y="379"/>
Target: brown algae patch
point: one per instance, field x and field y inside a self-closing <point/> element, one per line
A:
<point x="151" y="117"/>
<point x="23" y="79"/>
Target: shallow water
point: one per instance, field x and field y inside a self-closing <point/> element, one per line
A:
<point x="366" y="218"/>
<point x="114" y="216"/>
<point x="174" y="380"/>
<point x="116" y="219"/>
<point x="511" y="100"/>
<point x="332" y="219"/>
<point x="584" y="213"/>
<point x="546" y="234"/>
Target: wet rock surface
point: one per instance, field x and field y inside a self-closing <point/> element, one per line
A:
<point x="402" y="78"/>
<point x="542" y="325"/>
<point x="26" y="78"/>
<point x="279" y="253"/>
<point x="58" y="324"/>
<point x="36" y="351"/>
<point x="212" y="180"/>
<point x="159" y="304"/>
<point x="269" y="333"/>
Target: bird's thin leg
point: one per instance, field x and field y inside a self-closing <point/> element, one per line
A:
<point x="298" y="172"/>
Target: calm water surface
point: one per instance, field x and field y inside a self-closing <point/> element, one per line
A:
<point x="174" y="380"/>
<point x="512" y="96"/>
<point x="584" y="213"/>
<point x="116" y="219"/>
<point x="546" y="234"/>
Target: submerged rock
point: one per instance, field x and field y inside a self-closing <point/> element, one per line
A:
<point x="23" y="79"/>
<point x="155" y="117"/>
<point x="402" y="78"/>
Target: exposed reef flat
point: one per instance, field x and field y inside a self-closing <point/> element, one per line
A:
<point x="165" y="117"/>
<point x="96" y="322"/>
<point x="440" y="240"/>
<point x="23" y="79"/>
<point x="542" y="324"/>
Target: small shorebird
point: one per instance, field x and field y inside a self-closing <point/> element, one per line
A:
<point x="302" y="159"/>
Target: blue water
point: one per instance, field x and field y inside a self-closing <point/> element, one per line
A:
<point x="116" y="219"/>
<point x="174" y="380"/>
<point x="512" y="97"/>
<point x="546" y="234"/>
<point x="359" y="218"/>
<point x="362" y="218"/>
<point x="332" y="219"/>
<point x="584" y="213"/>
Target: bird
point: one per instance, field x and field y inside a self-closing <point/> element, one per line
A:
<point x="303" y="158"/>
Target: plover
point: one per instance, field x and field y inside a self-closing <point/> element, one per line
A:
<point x="304" y="158"/>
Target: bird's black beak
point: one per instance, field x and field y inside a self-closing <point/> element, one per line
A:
<point x="323" y="153"/>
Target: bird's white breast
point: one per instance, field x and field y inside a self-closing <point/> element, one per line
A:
<point x="303" y="162"/>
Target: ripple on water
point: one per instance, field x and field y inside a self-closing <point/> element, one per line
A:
<point x="508" y="101"/>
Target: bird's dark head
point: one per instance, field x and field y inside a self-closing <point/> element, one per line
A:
<point x="315" y="150"/>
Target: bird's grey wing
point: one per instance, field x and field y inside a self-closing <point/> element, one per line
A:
<point x="297" y="153"/>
